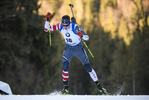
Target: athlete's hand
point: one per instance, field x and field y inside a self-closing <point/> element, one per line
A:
<point x="48" y="16"/>
<point x="80" y="34"/>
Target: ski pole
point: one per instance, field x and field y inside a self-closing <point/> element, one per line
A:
<point x="96" y="62"/>
<point x="50" y="52"/>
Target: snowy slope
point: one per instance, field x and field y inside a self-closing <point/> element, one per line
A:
<point x="73" y="97"/>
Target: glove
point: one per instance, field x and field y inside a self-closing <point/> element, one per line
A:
<point x="48" y="16"/>
<point x="80" y="34"/>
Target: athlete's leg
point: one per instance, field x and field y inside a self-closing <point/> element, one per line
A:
<point x="81" y="54"/>
<point x="66" y="59"/>
<point x="65" y="75"/>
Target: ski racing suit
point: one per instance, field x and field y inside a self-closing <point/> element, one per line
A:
<point x="73" y="47"/>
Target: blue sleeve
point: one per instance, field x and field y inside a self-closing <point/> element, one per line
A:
<point x="77" y="28"/>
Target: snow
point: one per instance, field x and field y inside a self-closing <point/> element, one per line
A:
<point x="5" y="87"/>
<point x="73" y="97"/>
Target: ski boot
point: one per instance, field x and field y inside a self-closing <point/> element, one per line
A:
<point x="100" y="88"/>
<point x="65" y="89"/>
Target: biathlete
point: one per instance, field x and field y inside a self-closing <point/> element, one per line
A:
<point x="73" y="34"/>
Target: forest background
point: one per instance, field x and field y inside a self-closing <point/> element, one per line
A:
<point x="119" y="40"/>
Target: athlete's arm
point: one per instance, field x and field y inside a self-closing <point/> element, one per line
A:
<point x="84" y="35"/>
<point x="52" y="27"/>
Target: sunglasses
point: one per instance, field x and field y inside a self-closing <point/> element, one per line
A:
<point x="66" y="25"/>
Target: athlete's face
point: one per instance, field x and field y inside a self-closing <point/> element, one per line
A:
<point x="66" y="26"/>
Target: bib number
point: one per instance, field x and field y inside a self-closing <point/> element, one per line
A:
<point x="68" y="39"/>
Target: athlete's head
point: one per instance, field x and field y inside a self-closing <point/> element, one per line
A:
<point x="66" y="21"/>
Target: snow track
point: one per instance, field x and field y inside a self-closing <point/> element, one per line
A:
<point x="73" y="97"/>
